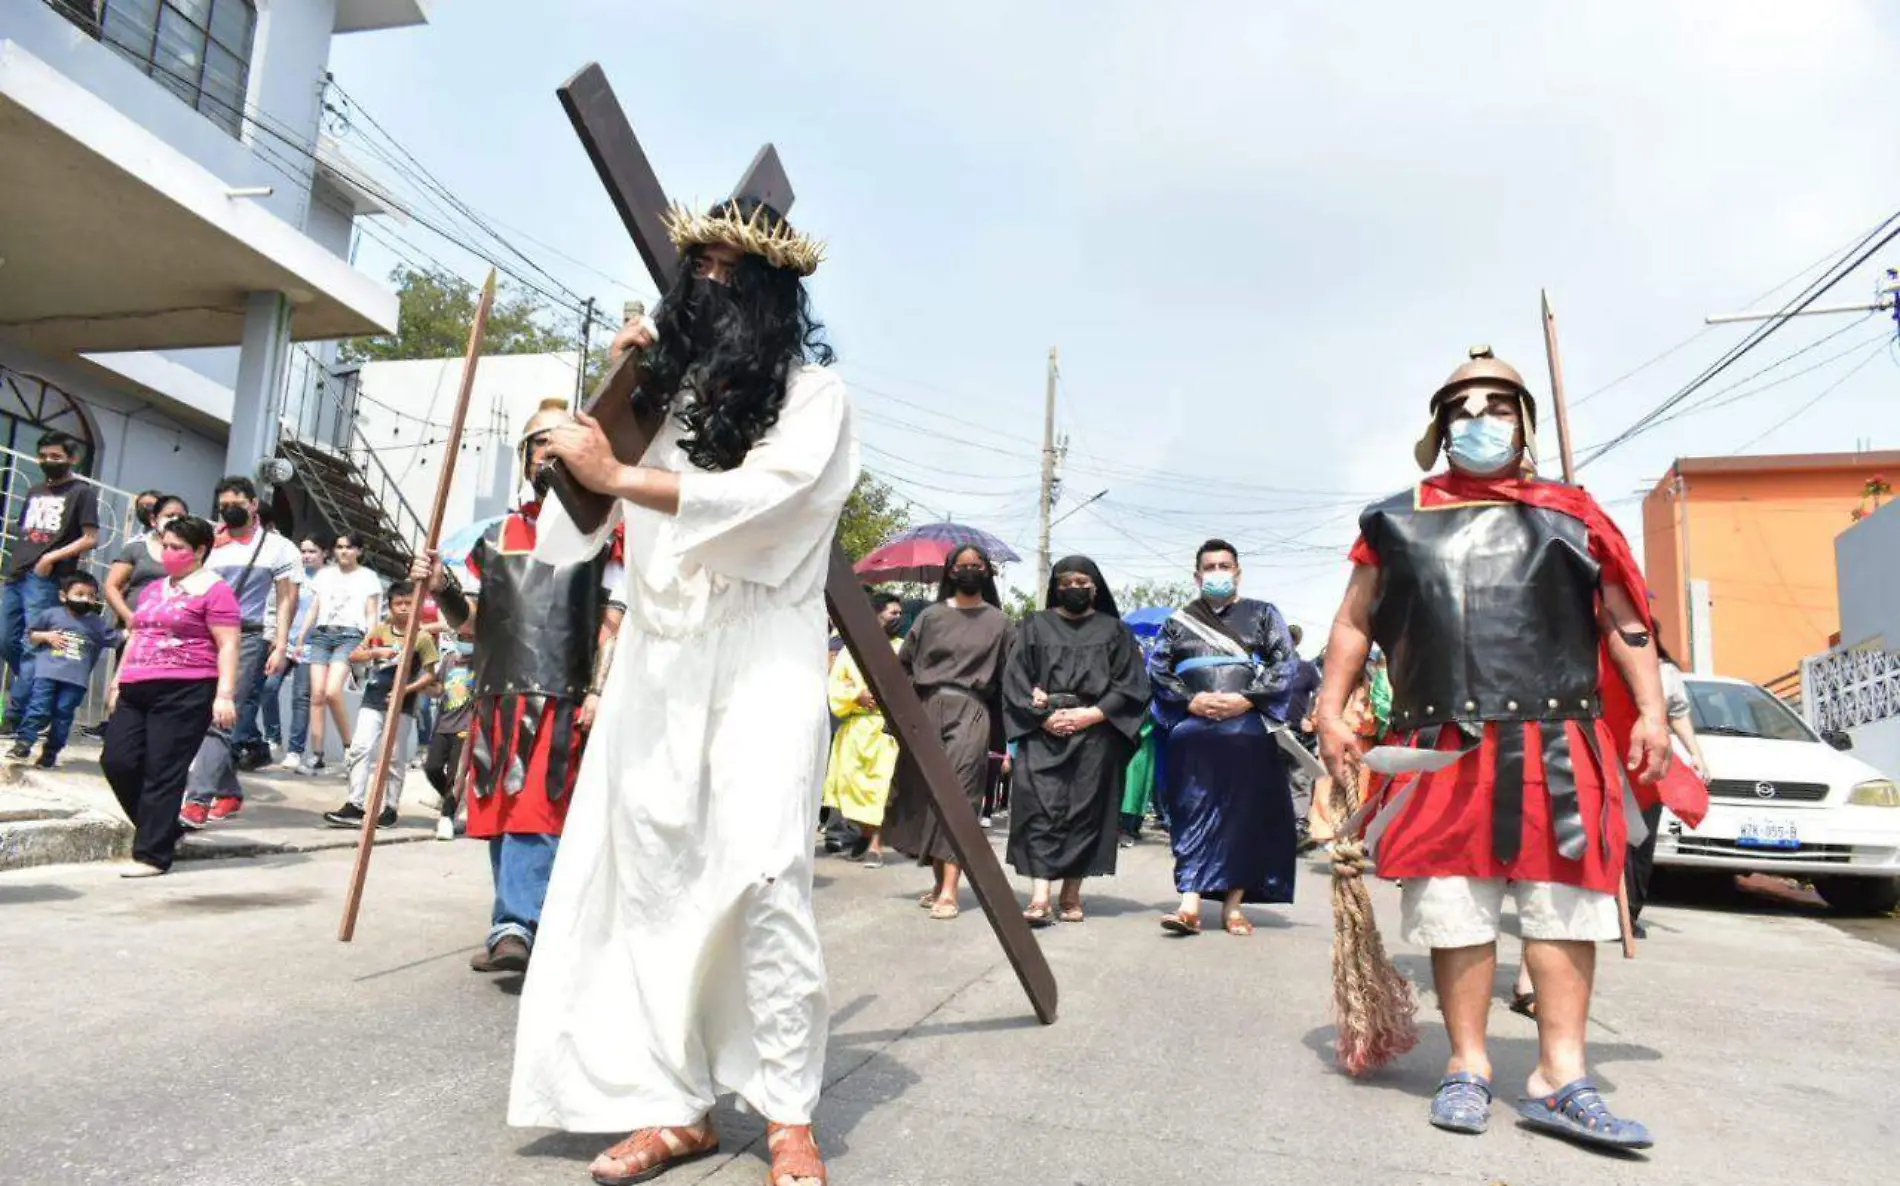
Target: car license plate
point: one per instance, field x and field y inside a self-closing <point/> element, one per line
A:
<point x="1770" y="833"/>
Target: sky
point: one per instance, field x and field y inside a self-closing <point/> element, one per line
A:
<point x="1259" y="234"/>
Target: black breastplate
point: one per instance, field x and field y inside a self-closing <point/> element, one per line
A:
<point x="538" y="626"/>
<point x="1487" y="613"/>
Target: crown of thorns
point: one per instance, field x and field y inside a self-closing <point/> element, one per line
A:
<point x="761" y="233"/>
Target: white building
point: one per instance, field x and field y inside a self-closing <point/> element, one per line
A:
<point x="171" y="222"/>
<point x="403" y="411"/>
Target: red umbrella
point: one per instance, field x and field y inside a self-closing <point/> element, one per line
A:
<point x="919" y="553"/>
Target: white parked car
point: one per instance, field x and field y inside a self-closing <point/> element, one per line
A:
<point x="1784" y="801"/>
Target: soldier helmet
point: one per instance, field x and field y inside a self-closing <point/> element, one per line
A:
<point x="1481" y="375"/>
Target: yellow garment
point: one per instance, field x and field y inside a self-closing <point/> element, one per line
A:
<point x="863" y="755"/>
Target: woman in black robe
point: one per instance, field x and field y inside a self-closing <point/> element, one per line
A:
<point x="955" y="654"/>
<point x="1073" y="701"/>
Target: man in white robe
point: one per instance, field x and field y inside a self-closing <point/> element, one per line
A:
<point x="678" y="957"/>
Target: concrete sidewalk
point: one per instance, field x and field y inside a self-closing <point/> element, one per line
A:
<point x="69" y="814"/>
<point x="206" y="1029"/>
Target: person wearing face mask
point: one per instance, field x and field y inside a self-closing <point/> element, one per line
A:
<point x="541" y="636"/>
<point x="955" y="654"/>
<point x="179" y="678"/>
<point x="1515" y="624"/>
<point x="68" y="640"/>
<point x="1223" y="671"/>
<point x="141" y="561"/>
<point x="1075" y="695"/>
<point x="58" y="526"/>
<point x="863" y="754"/>
<point x="261" y="568"/>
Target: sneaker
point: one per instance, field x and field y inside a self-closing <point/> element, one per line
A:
<point x="136" y="869"/>
<point x="49" y="758"/>
<point x="251" y="758"/>
<point x="444" y="828"/>
<point x="387" y="819"/>
<point x="96" y="732"/>
<point x="192" y="816"/>
<point x="293" y="762"/>
<point x="347" y="816"/>
<point x="20" y="751"/>
<point x="225" y="806"/>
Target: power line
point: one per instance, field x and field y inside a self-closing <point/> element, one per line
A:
<point x="1821" y="395"/>
<point x="1806" y="297"/>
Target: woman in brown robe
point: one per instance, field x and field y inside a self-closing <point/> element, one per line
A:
<point x="955" y="653"/>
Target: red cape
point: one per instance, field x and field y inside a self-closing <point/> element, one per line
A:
<point x="1680" y="790"/>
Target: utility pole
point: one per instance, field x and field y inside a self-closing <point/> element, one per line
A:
<point x="1050" y="455"/>
<point x="580" y="369"/>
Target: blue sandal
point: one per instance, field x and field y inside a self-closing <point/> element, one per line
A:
<point x="1463" y="1103"/>
<point x="1577" y="1111"/>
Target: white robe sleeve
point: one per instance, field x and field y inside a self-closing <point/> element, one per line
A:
<point x="760" y="521"/>
<point x="557" y="540"/>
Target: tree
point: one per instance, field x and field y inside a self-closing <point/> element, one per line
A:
<point x="435" y="310"/>
<point x="872" y="514"/>
<point x="1142" y="594"/>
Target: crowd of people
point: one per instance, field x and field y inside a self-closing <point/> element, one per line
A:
<point x="645" y="770"/>
<point x="1082" y="728"/>
<point x="201" y="625"/>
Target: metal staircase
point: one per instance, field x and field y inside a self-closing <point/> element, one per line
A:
<point x="348" y="486"/>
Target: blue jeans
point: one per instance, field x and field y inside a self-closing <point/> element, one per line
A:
<point x="273" y="709"/>
<point x="25" y="598"/>
<point x="214" y="771"/>
<point x="250" y="689"/>
<point x="51" y="707"/>
<point x="521" y="864"/>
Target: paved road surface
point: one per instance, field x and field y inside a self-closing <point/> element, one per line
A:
<point x="205" y="1028"/>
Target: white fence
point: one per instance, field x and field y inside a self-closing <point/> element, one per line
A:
<point x="1847" y="689"/>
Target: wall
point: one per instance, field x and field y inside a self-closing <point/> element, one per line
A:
<point x="1662" y="567"/>
<point x="1867" y="564"/>
<point x="508" y="389"/>
<point x="1764" y="541"/>
<point x="139" y="447"/>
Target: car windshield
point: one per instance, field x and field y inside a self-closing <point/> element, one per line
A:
<point x="1743" y="710"/>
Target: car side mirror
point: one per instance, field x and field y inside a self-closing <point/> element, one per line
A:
<point x="1838" y="738"/>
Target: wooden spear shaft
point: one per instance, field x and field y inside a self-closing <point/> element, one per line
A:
<point x="405" y="659"/>
<point x="1560" y="411"/>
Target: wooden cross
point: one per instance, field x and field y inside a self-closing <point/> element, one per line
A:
<point x="636" y="193"/>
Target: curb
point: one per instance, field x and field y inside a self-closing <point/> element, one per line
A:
<point x="198" y="847"/>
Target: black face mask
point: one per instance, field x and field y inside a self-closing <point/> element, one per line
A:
<point x="234" y="516"/>
<point x="967" y="580"/>
<point x="542" y="481"/>
<point x="890" y="627"/>
<point x="1075" y="600"/>
<point x="56" y="471"/>
<point x="145" y="514"/>
<point x="708" y="305"/>
<point x="83" y="607"/>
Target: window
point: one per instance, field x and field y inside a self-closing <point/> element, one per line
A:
<point x="1743" y="710"/>
<point x="200" y="50"/>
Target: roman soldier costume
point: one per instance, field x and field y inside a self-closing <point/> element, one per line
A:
<point x="537" y="660"/>
<point x="1488" y="618"/>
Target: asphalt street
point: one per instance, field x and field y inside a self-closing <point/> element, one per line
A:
<point x="207" y="1028"/>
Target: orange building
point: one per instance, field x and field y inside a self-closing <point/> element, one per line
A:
<point x="1739" y="552"/>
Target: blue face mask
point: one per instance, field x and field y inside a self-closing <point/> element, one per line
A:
<point x="1482" y="445"/>
<point x="1217" y="585"/>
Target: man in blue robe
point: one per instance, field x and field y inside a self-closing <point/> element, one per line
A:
<point x="1222" y="674"/>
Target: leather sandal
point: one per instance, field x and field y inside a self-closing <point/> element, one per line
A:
<point x="1180" y="923"/>
<point x="649" y="1152"/>
<point x="1237" y="924"/>
<point x="1039" y="916"/>
<point x="1072" y="912"/>
<point x="794" y="1155"/>
<point x="944" y="911"/>
<point x="928" y="900"/>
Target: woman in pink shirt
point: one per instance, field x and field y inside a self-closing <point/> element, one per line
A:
<point x="176" y="680"/>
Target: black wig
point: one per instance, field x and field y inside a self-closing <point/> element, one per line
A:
<point x="735" y="344"/>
